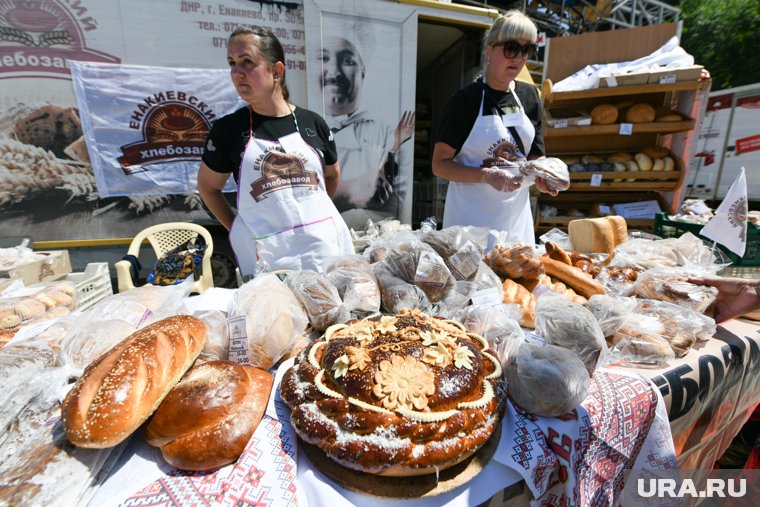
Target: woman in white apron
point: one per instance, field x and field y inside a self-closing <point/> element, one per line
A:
<point x="486" y="125"/>
<point x="284" y="161"/>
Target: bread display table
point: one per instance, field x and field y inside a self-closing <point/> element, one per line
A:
<point x="621" y="425"/>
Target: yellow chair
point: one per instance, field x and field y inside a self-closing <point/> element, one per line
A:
<point x="164" y="238"/>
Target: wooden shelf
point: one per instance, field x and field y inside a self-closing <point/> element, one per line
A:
<point x="614" y="129"/>
<point x="617" y="91"/>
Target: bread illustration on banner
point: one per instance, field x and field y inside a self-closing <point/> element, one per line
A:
<point x="207" y="419"/>
<point x="119" y="391"/>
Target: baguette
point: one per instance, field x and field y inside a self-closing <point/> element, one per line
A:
<point x="121" y="389"/>
<point x="516" y="294"/>
<point x="556" y="252"/>
<point x="207" y="419"/>
<point x="573" y="277"/>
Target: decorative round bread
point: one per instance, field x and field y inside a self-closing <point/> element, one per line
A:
<point x="396" y="395"/>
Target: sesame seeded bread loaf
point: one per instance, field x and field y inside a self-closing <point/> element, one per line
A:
<point x="207" y="419"/>
<point x="121" y="389"/>
<point x="399" y="395"/>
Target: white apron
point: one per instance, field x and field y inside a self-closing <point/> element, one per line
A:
<point x="285" y="218"/>
<point x="479" y="204"/>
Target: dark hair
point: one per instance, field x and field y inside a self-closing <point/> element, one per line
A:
<point x="268" y="45"/>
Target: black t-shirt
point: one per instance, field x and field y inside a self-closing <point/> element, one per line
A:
<point x="228" y="136"/>
<point x="461" y="111"/>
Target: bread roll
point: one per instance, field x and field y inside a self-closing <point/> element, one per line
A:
<point x="580" y="282"/>
<point x="604" y="114"/>
<point x="120" y="390"/>
<point x="631" y="166"/>
<point x="620" y="157"/>
<point x="644" y="162"/>
<point x="640" y="113"/>
<point x="207" y="419"/>
<point x="655" y="151"/>
<point x="516" y="294"/>
<point x="592" y="159"/>
<point x="670" y="164"/>
<point x="619" y="228"/>
<point x="591" y="235"/>
<point x="658" y="164"/>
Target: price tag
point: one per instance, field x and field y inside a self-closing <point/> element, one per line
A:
<point x="560" y="124"/>
<point x="611" y="81"/>
<point x="668" y="79"/>
<point x="534" y="339"/>
<point x="596" y="179"/>
<point x="486" y="297"/>
<point x="626" y="129"/>
<point x="238" y="340"/>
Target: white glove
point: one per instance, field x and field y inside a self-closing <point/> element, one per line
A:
<point x="501" y="178"/>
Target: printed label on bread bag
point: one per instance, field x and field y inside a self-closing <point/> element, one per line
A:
<point x="238" y="340"/>
<point x="431" y="270"/>
<point x="534" y="339"/>
<point x="465" y="262"/>
<point x="488" y="296"/>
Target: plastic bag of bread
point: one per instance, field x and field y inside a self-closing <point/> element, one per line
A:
<point x="458" y="248"/>
<point x="274" y="318"/>
<point x="671" y="285"/>
<point x="455" y="300"/>
<point x="352" y="275"/>
<point x="691" y="251"/>
<point x="546" y="380"/>
<point x="639" y="341"/>
<point x="680" y="324"/>
<point x="397" y="294"/>
<point x="552" y="170"/>
<point x="618" y="280"/>
<point x="417" y="263"/>
<point x="217" y="346"/>
<point x="319" y="297"/>
<point x="486" y="279"/>
<point x="611" y="311"/>
<point x="498" y="324"/>
<point x="519" y="260"/>
<point x="572" y="326"/>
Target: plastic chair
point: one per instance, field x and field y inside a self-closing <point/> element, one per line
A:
<point x="164" y="238"/>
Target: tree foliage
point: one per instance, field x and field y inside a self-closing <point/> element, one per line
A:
<point x="724" y="36"/>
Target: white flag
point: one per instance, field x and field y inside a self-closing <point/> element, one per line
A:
<point x="729" y="225"/>
<point x="145" y="127"/>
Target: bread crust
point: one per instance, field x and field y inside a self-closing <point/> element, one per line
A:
<point x="121" y="389"/>
<point x="208" y="418"/>
<point x="573" y="277"/>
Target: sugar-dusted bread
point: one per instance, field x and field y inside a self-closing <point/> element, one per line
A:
<point x="120" y="390"/>
<point x="396" y="395"/>
<point x="207" y="419"/>
<point x="591" y="235"/>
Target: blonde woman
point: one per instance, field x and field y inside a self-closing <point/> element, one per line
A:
<point x="485" y="126"/>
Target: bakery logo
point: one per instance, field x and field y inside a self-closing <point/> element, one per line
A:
<point x="39" y="36"/>
<point x="281" y="170"/>
<point x="505" y="149"/>
<point x="737" y="216"/>
<point x="174" y="127"/>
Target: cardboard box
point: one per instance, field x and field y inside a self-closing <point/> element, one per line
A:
<point x="669" y="76"/>
<point x="637" y="78"/>
<point x="55" y="265"/>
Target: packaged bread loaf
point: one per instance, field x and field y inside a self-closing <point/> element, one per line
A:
<point x="319" y="297"/>
<point x="207" y="419"/>
<point x="119" y="391"/>
<point x="515" y="261"/>
<point x="353" y="277"/>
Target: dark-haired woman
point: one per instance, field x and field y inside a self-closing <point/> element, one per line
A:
<point x="487" y="125"/>
<point x="284" y="161"/>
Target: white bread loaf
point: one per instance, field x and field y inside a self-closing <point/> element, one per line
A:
<point x="120" y="390"/>
<point x="619" y="228"/>
<point x="658" y="164"/>
<point x="644" y="161"/>
<point x="670" y="164"/>
<point x="207" y="419"/>
<point x="591" y="235"/>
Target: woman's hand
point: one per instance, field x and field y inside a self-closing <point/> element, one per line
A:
<point x="544" y="188"/>
<point x="736" y="296"/>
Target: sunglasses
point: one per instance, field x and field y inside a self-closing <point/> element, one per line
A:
<point x="512" y="49"/>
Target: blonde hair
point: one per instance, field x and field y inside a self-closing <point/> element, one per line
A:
<point x="510" y="26"/>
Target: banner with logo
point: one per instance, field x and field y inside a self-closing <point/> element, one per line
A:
<point x="49" y="189"/>
<point x="145" y="127"/>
